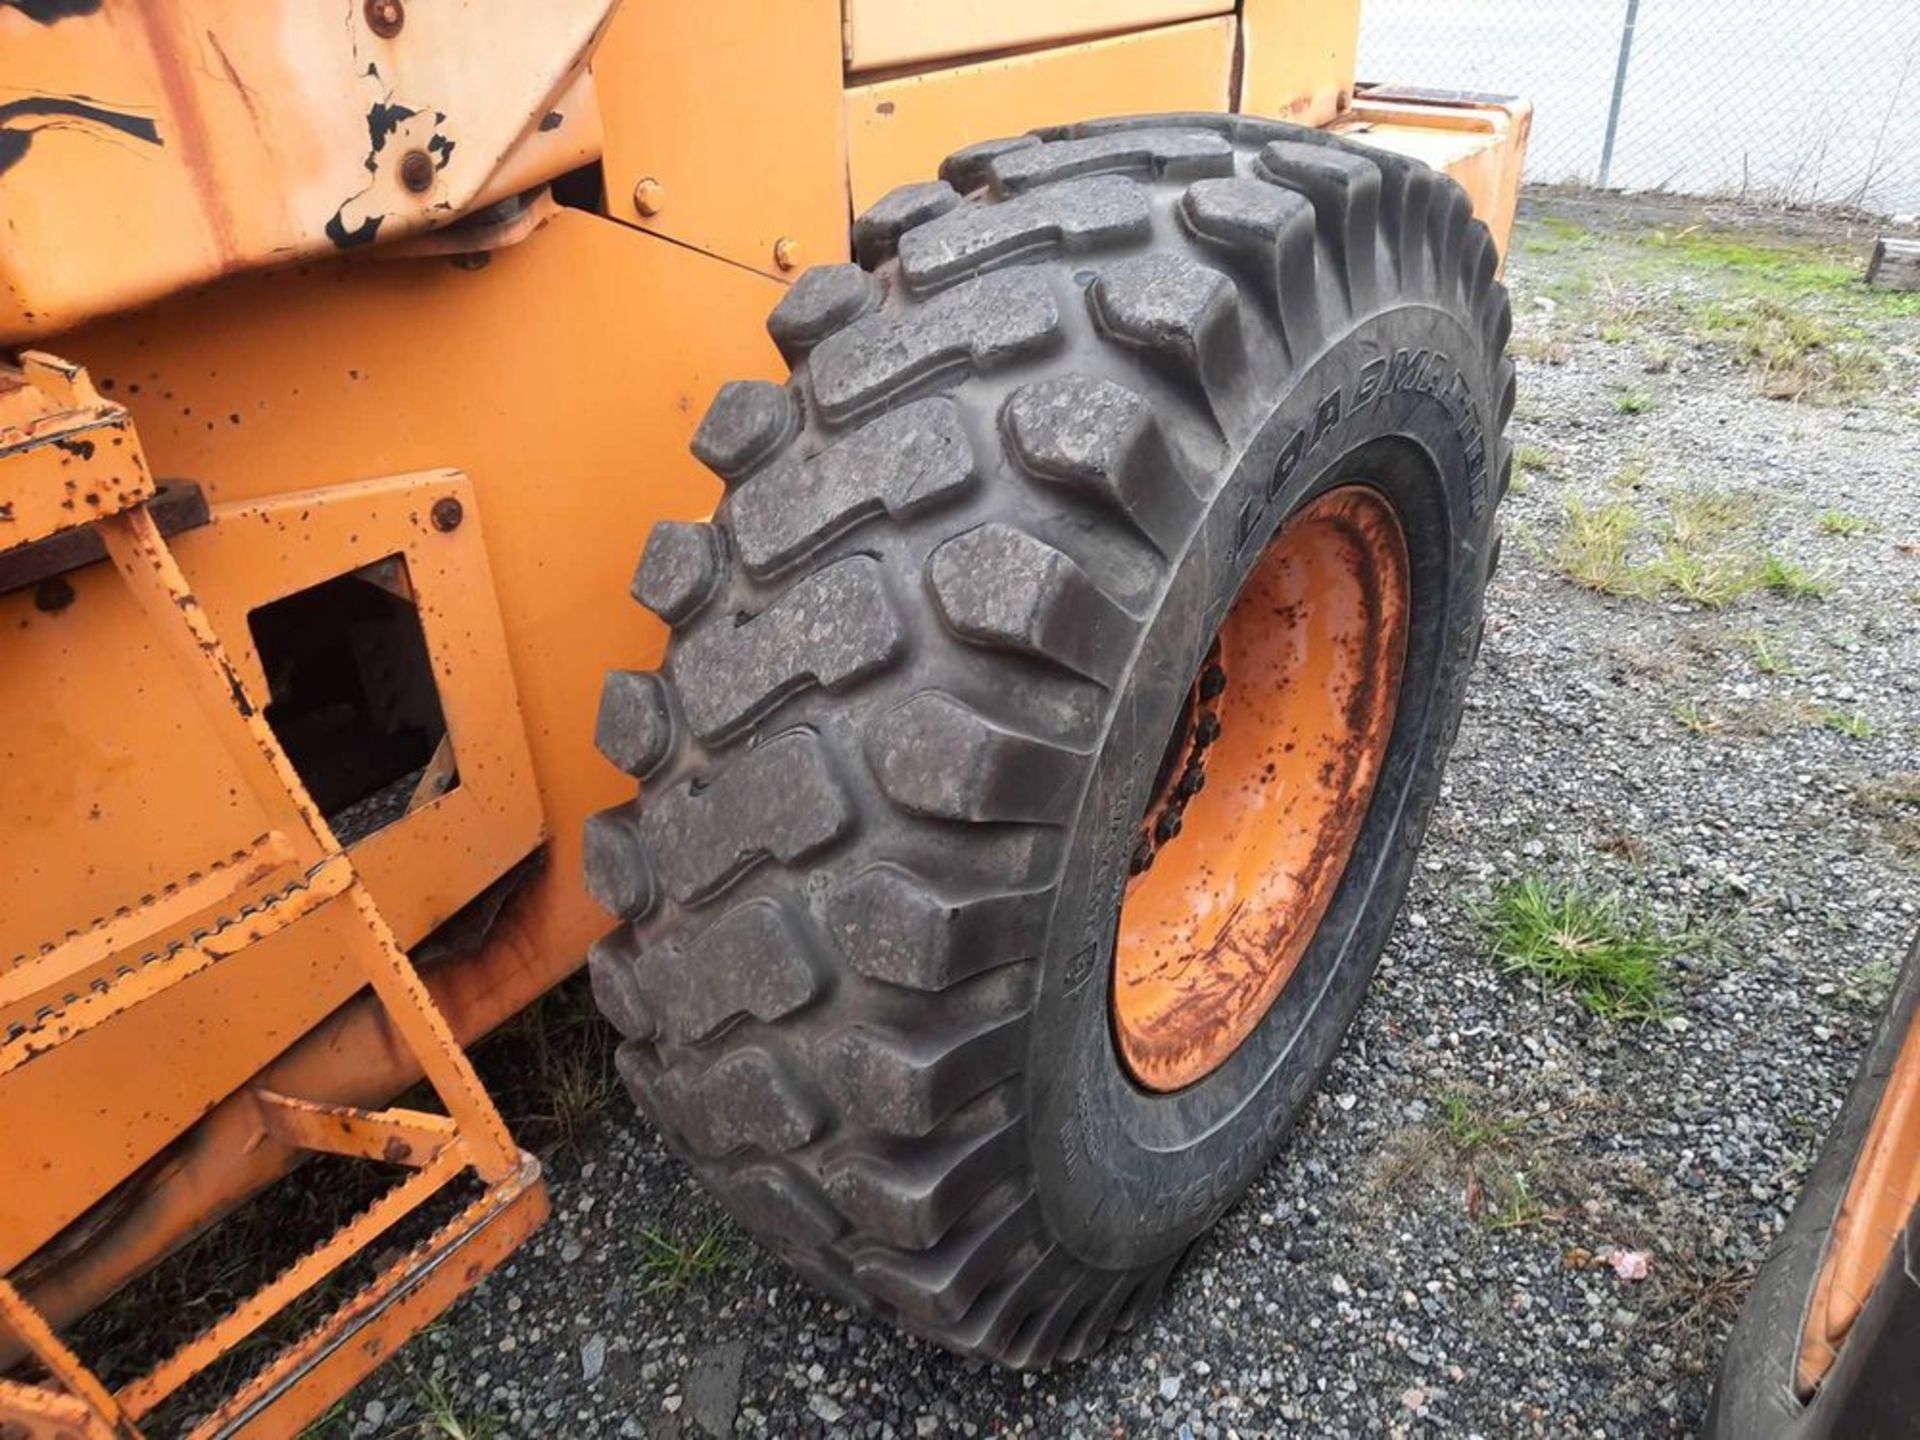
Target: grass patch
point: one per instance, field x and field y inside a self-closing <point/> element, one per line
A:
<point x="1467" y="1128"/>
<point x="1851" y="723"/>
<point x="1793" y="352"/>
<point x="1592" y="551"/>
<point x="562" y="1052"/>
<point x="442" y="1418"/>
<point x="1540" y="349"/>
<point x="673" y="1263"/>
<point x="1840" y="522"/>
<point x="1768" y="658"/>
<point x="1633" y="402"/>
<point x="1795" y="581"/>
<point x="1696" y="717"/>
<point x="1592" y="944"/>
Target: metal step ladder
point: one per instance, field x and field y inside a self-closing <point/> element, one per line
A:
<point x="114" y="964"/>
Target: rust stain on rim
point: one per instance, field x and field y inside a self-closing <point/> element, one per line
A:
<point x="1220" y="911"/>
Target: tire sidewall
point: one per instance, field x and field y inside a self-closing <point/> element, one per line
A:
<point x="1127" y="1177"/>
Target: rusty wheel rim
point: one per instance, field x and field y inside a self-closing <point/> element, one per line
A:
<point x="1263" y="790"/>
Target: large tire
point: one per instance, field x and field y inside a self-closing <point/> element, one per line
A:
<point x="1872" y="1391"/>
<point x="926" y="659"/>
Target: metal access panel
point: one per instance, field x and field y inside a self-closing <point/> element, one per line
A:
<point x="881" y="33"/>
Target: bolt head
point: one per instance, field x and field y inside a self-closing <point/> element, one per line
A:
<point x="786" y="253"/>
<point x="649" y="196"/>
<point x="385" y="17"/>
<point x="448" y="513"/>
<point x="416" y="171"/>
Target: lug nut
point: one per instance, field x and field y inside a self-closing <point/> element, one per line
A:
<point x="1207" y="731"/>
<point x="1167" y="826"/>
<point x="1192" y="780"/>
<point x="1142" y="860"/>
<point x="1213" y="680"/>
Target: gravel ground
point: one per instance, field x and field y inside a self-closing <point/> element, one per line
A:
<point x="1421" y="1257"/>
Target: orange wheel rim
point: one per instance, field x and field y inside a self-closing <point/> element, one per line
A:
<point x="1264" y="789"/>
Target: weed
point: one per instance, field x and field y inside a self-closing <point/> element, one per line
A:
<point x="1868" y="987"/>
<point x="1633" y="402"/>
<point x="1710" y="581"/>
<point x="1793" y="580"/>
<point x="1536" y="459"/>
<point x="1467" y="1129"/>
<point x="440" y="1418"/>
<point x="1633" y="474"/>
<point x="1793" y="353"/>
<point x="673" y="1264"/>
<point x="1541" y="349"/>
<point x="1766" y="659"/>
<point x="1614" y="333"/>
<point x="568" y="1052"/>
<point x="1839" y="522"/>
<point x="1696" y="518"/>
<point x="1571" y="938"/>
<point x="1694" y="716"/>
<point x="1593" y="548"/>
<point x="1510" y="1203"/>
<point x="1851" y="723"/>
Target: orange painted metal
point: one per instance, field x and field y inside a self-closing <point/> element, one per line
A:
<point x="1481" y="143"/>
<point x="730" y="111"/>
<point x="429" y="863"/>
<point x="472" y="1134"/>
<point x="70" y="455"/>
<point x="883" y="33"/>
<point x="1881" y="1196"/>
<point x="81" y="1405"/>
<point x="1297" y="57"/>
<point x="898" y="130"/>
<point x="1289" y="750"/>
<point x="228" y="134"/>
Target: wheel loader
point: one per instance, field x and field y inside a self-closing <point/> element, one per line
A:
<point x="1060" y="552"/>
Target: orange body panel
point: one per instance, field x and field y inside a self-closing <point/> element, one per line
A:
<point x="1297" y="58"/>
<point x="899" y="130"/>
<point x="881" y="33"/>
<point x="226" y="134"/>
<point x="730" y="111"/>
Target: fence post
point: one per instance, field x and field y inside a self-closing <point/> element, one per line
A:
<point x="1619" y="90"/>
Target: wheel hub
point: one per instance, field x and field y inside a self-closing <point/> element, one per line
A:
<point x="1263" y="788"/>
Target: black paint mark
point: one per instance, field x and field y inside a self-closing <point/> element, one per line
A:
<point x="52" y="12"/>
<point x="441" y="147"/>
<point x="551" y="120"/>
<point x="14" y="141"/>
<point x="383" y="119"/>
<point x="82" y="448"/>
<point x="361" y="234"/>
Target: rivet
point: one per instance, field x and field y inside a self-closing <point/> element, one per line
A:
<point x="649" y="196"/>
<point x="416" y="171"/>
<point x="448" y="513"/>
<point x="385" y="17"/>
<point x="786" y="253"/>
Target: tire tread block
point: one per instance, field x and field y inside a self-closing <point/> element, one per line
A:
<point x="780" y="801"/>
<point x="900" y="464"/>
<point x="833" y="628"/>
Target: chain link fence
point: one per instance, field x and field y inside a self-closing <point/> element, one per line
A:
<point x="1790" y="102"/>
